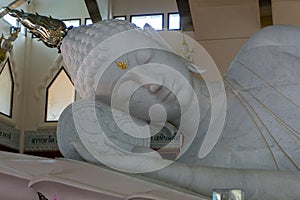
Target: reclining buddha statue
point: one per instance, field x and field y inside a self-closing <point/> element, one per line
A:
<point x="241" y="130"/>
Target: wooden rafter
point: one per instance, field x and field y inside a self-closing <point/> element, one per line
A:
<point x="12" y="5"/>
<point x="185" y="15"/>
<point x="93" y="10"/>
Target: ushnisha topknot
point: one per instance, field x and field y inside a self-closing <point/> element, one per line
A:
<point x="79" y="41"/>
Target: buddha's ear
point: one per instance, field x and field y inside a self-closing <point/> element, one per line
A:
<point x="193" y="68"/>
<point x="154" y="35"/>
<point x="150" y="32"/>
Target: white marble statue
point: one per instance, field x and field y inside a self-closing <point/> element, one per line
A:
<point x="107" y="73"/>
<point x="261" y="129"/>
<point x="134" y="86"/>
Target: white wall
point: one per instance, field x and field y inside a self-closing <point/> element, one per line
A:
<point x="222" y="27"/>
<point x="105" y="7"/>
<point x="130" y="7"/>
<point x="286" y="12"/>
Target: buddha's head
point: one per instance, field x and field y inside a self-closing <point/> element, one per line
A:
<point x="128" y="68"/>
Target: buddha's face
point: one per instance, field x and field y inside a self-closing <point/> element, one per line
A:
<point x="156" y="85"/>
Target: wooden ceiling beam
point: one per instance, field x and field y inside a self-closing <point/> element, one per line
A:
<point x="93" y="10"/>
<point x="184" y="10"/>
<point x="265" y="11"/>
<point x="12" y="5"/>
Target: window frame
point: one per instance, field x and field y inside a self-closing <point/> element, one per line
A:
<point x="151" y="14"/>
<point x="13" y="27"/>
<point x="12" y="88"/>
<point x="47" y="93"/>
<point x="85" y="21"/>
<point x="17" y="23"/>
<point x="168" y="25"/>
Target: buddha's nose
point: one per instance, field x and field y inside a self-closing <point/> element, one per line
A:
<point x="154" y="88"/>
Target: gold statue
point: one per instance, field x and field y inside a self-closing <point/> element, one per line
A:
<point x="6" y="44"/>
<point x="51" y="31"/>
<point x="2" y="51"/>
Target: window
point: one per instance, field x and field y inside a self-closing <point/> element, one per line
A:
<point x="11" y="20"/>
<point x="60" y="93"/>
<point x="120" y="17"/>
<point x="228" y="194"/>
<point x="154" y="20"/>
<point x="6" y="89"/>
<point x="88" y="21"/>
<point x="72" y="22"/>
<point x="23" y="30"/>
<point x="174" y="21"/>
